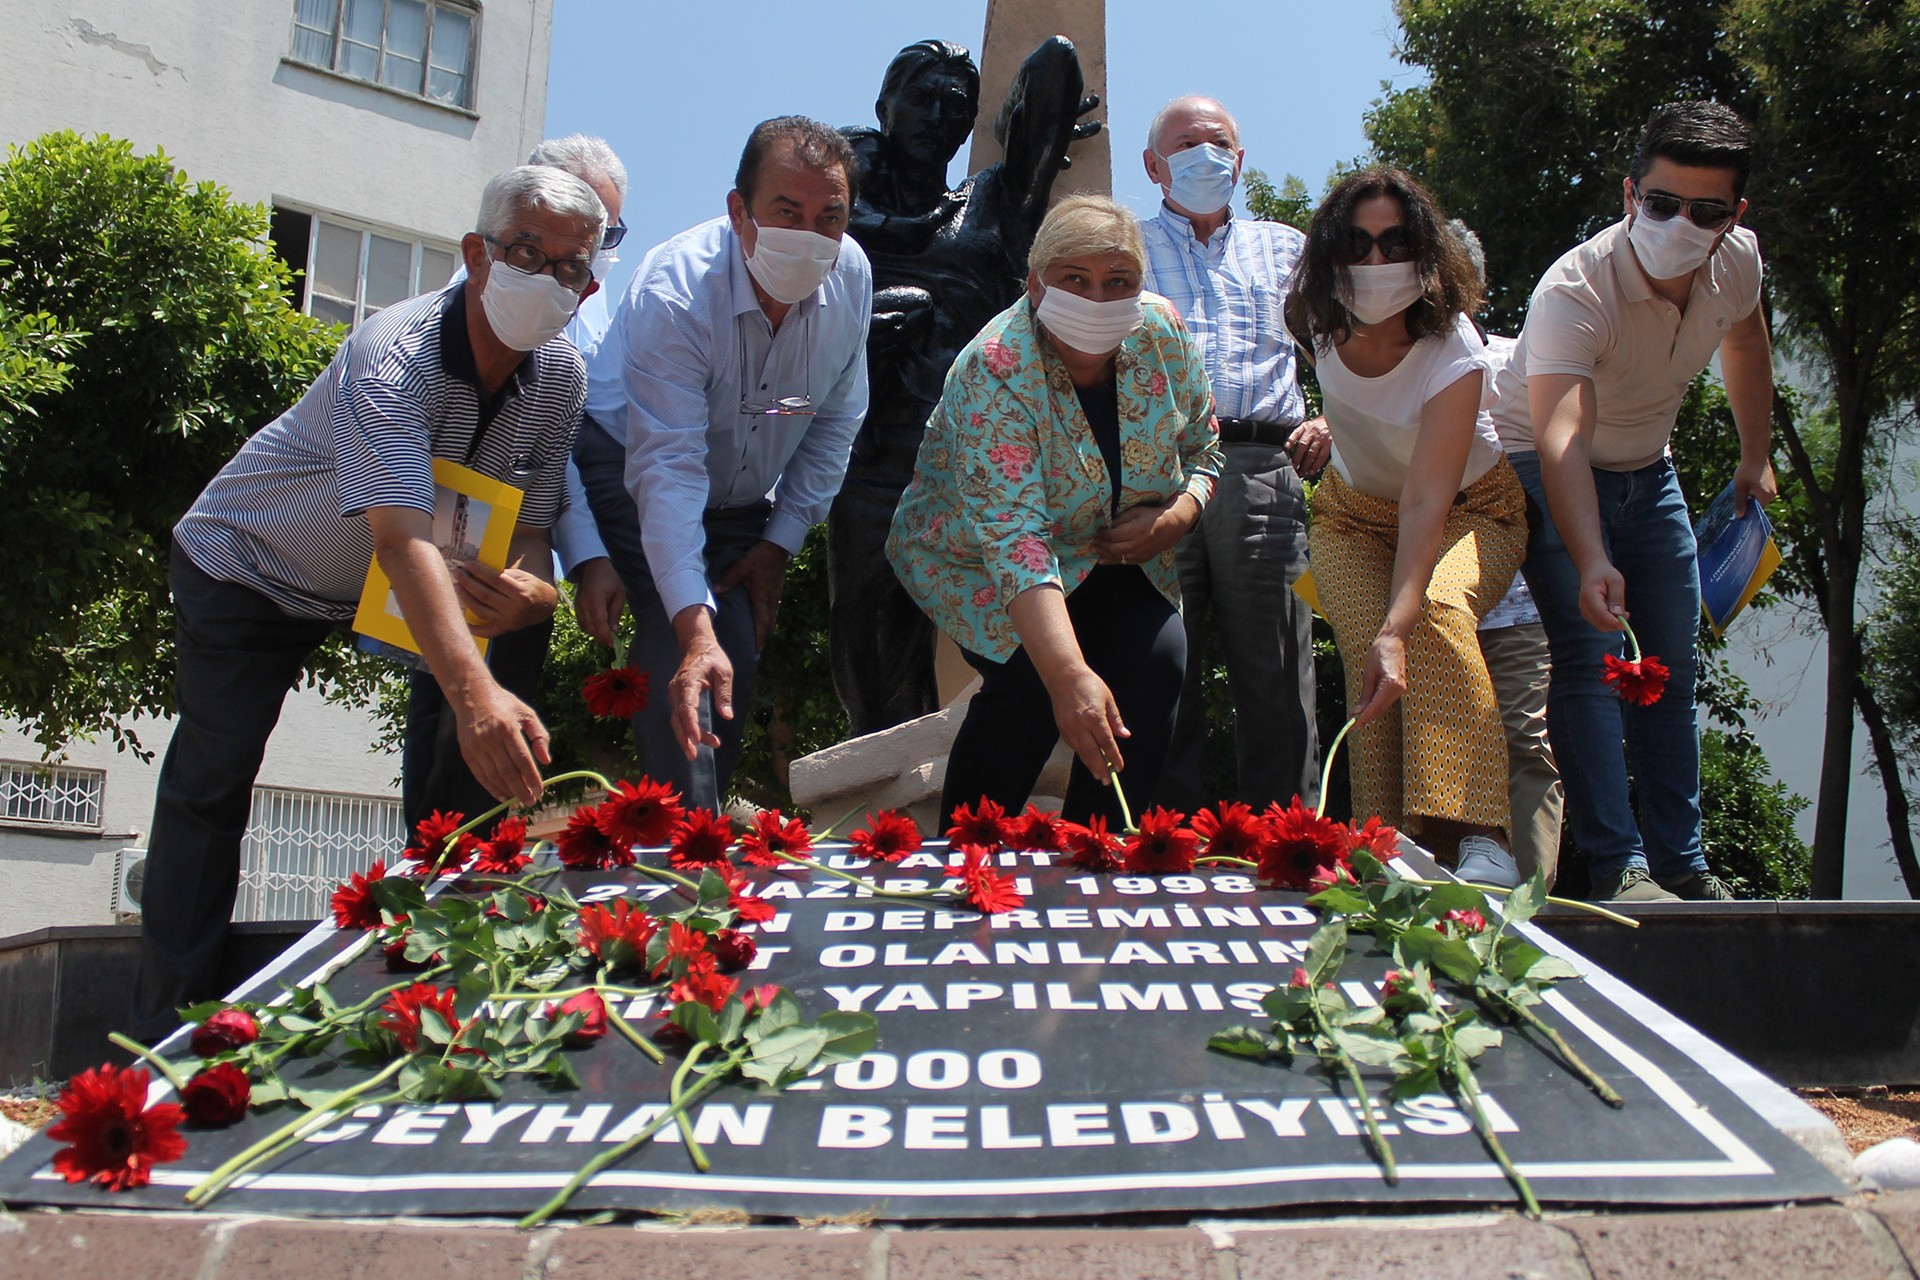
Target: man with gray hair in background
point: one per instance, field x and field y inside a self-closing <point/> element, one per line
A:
<point x="271" y="557"/>
<point x="433" y="772"/>
<point x="1228" y="276"/>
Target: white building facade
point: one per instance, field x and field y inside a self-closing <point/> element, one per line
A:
<point x="369" y="128"/>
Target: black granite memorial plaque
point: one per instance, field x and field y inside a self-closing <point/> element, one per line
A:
<point x="1047" y="1062"/>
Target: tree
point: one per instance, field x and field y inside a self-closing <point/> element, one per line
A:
<point x="1524" y="130"/>
<point x="163" y="336"/>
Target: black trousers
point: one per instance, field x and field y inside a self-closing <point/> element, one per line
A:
<point x="239" y="654"/>
<point x="1132" y="638"/>
<point x="433" y="771"/>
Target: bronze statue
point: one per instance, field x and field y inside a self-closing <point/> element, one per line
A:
<point x="944" y="263"/>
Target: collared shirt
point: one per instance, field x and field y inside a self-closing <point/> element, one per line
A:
<point x="286" y="516"/>
<point x="1595" y="315"/>
<point x="1232" y="291"/>
<point x="667" y="382"/>
<point x="1011" y="487"/>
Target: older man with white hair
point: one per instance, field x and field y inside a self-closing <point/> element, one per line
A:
<point x="271" y="557"/>
<point x="1228" y="277"/>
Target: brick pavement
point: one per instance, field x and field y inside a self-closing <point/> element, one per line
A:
<point x="1867" y="1237"/>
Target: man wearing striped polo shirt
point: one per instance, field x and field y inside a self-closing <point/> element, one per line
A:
<point x="1228" y="276"/>
<point x="272" y="556"/>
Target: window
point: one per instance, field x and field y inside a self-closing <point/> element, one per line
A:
<point x="422" y="47"/>
<point x="352" y="272"/>
<point x="301" y="845"/>
<point x="53" y="797"/>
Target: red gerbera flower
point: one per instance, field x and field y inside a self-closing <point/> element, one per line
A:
<point x="1301" y="845"/>
<point x="701" y="840"/>
<point x="217" y="1096"/>
<point x="226" y="1030"/>
<point x="353" y="904"/>
<point x="592" y="1007"/>
<point x="683" y="944"/>
<point x="405" y="1008"/>
<point x="503" y="855"/>
<point x="888" y="837"/>
<point x="618" y="694"/>
<point x="1640" y="682"/>
<point x="429" y="847"/>
<point x="750" y="907"/>
<point x="1231" y="830"/>
<point x="988" y="890"/>
<point x="583" y="846"/>
<point x="984" y="826"/>
<point x="1161" y="845"/>
<point x="703" y="985"/>
<point x="114" y="1138"/>
<point x="733" y="949"/>
<point x="616" y="934"/>
<point x="1376" y="837"/>
<point x="773" y="835"/>
<point x="1091" y="846"/>
<point x="643" y="813"/>
<point x="1035" y="830"/>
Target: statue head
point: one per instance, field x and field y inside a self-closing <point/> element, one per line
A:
<point x="928" y="100"/>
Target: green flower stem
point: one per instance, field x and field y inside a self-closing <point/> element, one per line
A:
<point x="340" y="1104"/>
<point x="148" y="1056"/>
<point x="1222" y="860"/>
<point x="1560" y="1046"/>
<point x="602" y="989"/>
<point x="1632" y="639"/>
<point x="634" y="1038"/>
<point x="1326" y="770"/>
<point x="344" y="1016"/>
<point x="676" y="1095"/>
<point x="674" y="1112"/>
<point x="1336" y="1054"/>
<point x="1470" y="1090"/>
<point x="1120" y="794"/>
<point x="673" y="877"/>
<point x="936" y="891"/>
<point x="1590" y="908"/>
<point x="831" y="827"/>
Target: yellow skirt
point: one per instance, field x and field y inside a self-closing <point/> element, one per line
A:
<point x="1440" y="751"/>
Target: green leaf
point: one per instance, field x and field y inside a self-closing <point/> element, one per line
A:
<point x="1526" y="900"/>
<point x="697" y="1021"/>
<point x="1471" y="1039"/>
<point x="1450" y="956"/>
<point x="786" y="1054"/>
<point x="1413" y="1084"/>
<point x="1454" y="897"/>
<point x="1244" y="1042"/>
<point x="1370" y="1046"/>
<point x="265" y="1092"/>
<point x="849" y="1035"/>
<point x="434" y="1029"/>
<point x="295" y="1024"/>
<point x="1515" y="957"/>
<point x="1552" y="969"/>
<point x="558" y="1069"/>
<point x="1325" y="950"/>
<point x="1340" y="900"/>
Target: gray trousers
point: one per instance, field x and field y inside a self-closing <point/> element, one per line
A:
<point x="1236" y="573"/>
<point x="731" y="533"/>
<point x="1517" y="661"/>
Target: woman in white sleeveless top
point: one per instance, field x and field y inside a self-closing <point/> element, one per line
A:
<point x="1420" y="523"/>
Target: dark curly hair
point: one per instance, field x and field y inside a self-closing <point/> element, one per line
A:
<point x="1447" y="280"/>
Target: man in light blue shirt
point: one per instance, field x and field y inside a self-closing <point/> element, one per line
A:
<point x="1229" y="277"/>
<point x="721" y="407"/>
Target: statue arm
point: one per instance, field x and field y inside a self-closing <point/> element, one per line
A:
<point x="1041" y="119"/>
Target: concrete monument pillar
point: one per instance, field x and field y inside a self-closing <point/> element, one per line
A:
<point x="1014" y="27"/>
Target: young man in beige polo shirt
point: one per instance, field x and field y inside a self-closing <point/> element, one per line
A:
<point x="1616" y="331"/>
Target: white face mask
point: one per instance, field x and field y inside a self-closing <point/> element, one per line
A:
<point x="789" y="263"/>
<point x="1382" y="291"/>
<point x="1200" y="179"/>
<point x="1088" y="326"/>
<point x="603" y="260"/>
<point x="526" y="310"/>
<point x="1671" y="249"/>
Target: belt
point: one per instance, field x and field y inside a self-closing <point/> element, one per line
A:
<point x="1253" y="431"/>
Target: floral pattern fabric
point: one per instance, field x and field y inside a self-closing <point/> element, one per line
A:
<point x="1010" y="488"/>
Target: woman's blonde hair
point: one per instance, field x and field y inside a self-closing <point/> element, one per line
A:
<point x="1086" y="226"/>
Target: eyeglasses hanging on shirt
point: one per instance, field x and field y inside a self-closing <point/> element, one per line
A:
<point x="779" y="406"/>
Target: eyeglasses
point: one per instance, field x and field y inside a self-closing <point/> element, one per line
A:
<point x="1661" y="206"/>
<point x="572" y="273"/>
<point x="614" y="235"/>
<point x="780" y="406"/>
<point x="1396" y="245"/>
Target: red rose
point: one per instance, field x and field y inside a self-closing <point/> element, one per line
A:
<point x="226" y="1030"/>
<point x="217" y="1096"/>
<point x="113" y="1137"/>
<point x="1465" y="922"/>
<point x="592" y="1007"/>
<point x="1299" y="978"/>
<point x="733" y="949"/>
<point x="760" y="997"/>
<point x="1397" y="984"/>
<point x="619" y="694"/>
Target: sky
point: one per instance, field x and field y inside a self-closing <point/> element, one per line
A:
<point x="675" y="87"/>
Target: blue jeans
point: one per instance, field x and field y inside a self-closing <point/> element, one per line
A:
<point x="1648" y="536"/>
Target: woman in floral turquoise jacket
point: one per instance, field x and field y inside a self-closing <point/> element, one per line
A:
<point x="1074" y="445"/>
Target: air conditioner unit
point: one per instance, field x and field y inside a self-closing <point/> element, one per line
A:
<point x="129" y="878"/>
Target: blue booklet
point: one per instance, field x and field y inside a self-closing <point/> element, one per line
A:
<point x="1737" y="556"/>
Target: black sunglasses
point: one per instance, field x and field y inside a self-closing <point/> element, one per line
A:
<point x="614" y="235"/>
<point x="1396" y="245"/>
<point x="1662" y="206"/>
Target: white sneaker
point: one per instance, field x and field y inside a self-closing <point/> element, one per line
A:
<point x="1484" y="862"/>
